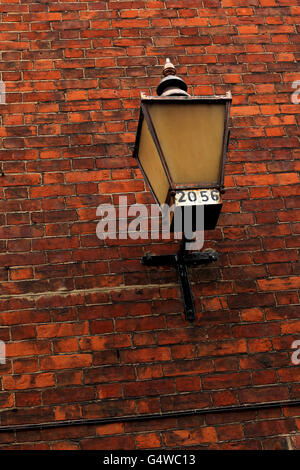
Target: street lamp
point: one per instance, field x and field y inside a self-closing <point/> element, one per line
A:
<point x="180" y="147"/>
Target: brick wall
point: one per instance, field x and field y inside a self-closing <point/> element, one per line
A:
<point x="90" y="332"/>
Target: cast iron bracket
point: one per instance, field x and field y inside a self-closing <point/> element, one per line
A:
<point x="181" y="261"/>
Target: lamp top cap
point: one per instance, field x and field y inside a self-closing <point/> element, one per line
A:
<point x="171" y="85"/>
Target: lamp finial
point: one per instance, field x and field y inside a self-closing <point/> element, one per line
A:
<point x="171" y="85"/>
<point x="169" y="68"/>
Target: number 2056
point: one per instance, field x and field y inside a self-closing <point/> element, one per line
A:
<point x="198" y="196"/>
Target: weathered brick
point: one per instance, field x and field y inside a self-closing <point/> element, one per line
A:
<point x="24" y="382"/>
<point x="185" y="437"/>
<point x="65" y="361"/>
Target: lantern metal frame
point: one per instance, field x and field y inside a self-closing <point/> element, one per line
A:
<point x="181" y="100"/>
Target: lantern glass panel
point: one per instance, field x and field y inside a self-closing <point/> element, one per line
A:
<point x="191" y="138"/>
<point x="152" y="165"/>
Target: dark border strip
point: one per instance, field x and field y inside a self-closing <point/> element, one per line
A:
<point x="147" y="417"/>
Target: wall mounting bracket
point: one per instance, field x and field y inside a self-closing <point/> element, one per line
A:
<point x="181" y="261"/>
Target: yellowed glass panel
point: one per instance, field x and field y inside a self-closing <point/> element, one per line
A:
<point x="191" y="138"/>
<point x="152" y="165"/>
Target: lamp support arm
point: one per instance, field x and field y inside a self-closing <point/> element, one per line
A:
<point x="181" y="261"/>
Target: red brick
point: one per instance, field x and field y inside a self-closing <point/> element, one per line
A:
<point x="109" y="374"/>
<point x="62" y="329"/>
<point x="290" y="327"/>
<point x="148" y="441"/>
<point x="66" y="361"/>
<point x="113" y="443"/>
<point x="149" y="388"/>
<point x="109" y="391"/>
<point x="69" y="394"/>
<point x="21" y="273"/>
<point x="27" y="348"/>
<point x="121" y="187"/>
<point x="110" y="429"/>
<point x="292" y="282"/>
<point x="226" y="380"/>
<point x="28" y="398"/>
<point x="252" y="314"/>
<point x="21" y="180"/>
<point x="269" y="428"/>
<point x="230" y="432"/>
<point x="184" y="437"/>
<point x="146" y="355"/>
<point x="23" y="382"/>
<point x="264" y="394"/>
<point x="52" y="190"/>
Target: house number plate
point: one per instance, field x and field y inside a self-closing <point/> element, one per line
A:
<point x="197" y="197"/>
